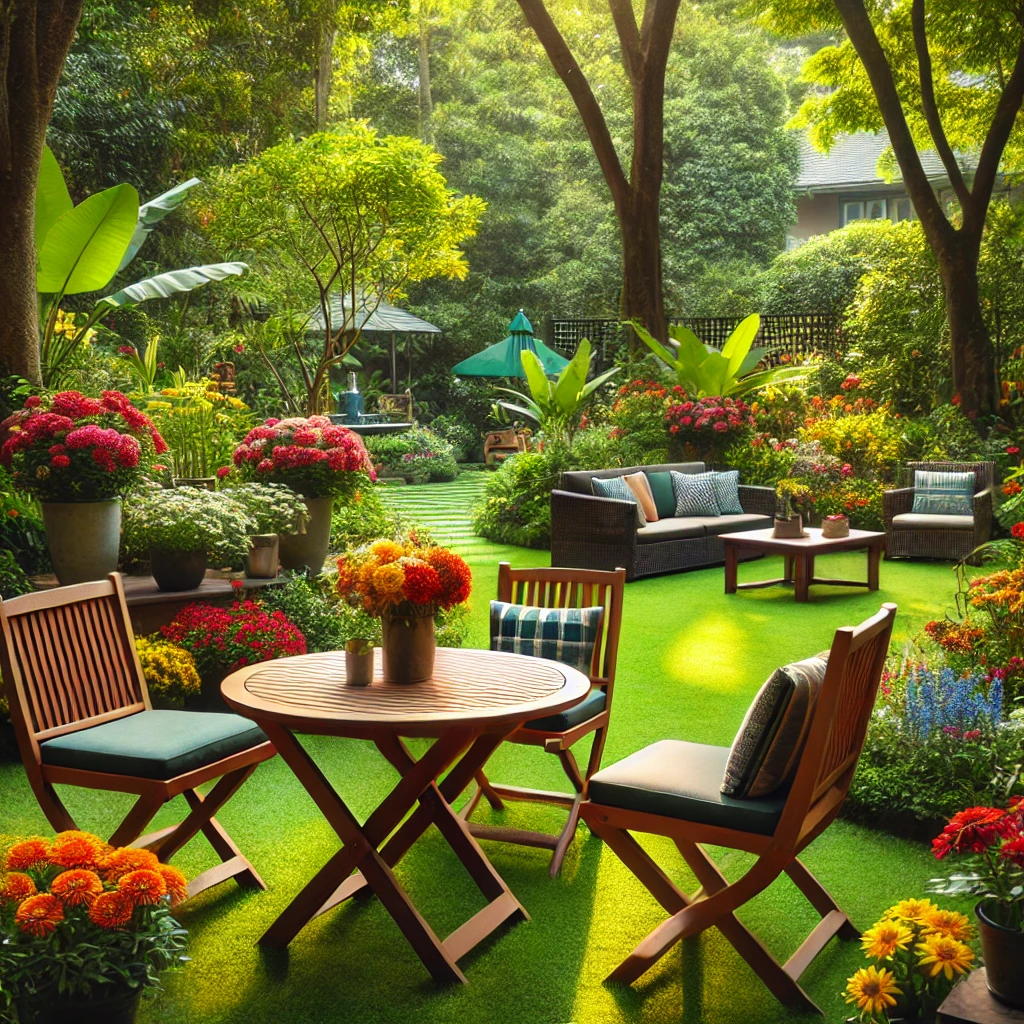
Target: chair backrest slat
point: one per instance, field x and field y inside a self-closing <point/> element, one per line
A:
<point x="69" y="663"/>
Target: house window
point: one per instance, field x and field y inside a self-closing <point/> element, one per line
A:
<point x="852" y="212"/>
<point x="902" y="209"/>
<point x="876" y="209"/>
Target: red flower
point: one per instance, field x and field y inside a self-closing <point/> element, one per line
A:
<point x="972" y="830"/>
<point x="422" y="583"/>
<point x="33" y="402"/>
<point x="60" y="462"/>
<point x="40" y="914"/>
<point x="1017" y="530"/>
<point x="1013" y="851"/>
<point x="223" y="471"/>
<point x="1012" y="450"/>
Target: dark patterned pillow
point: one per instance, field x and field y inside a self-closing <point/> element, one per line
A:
<point x="726" y="485"/>
<point x="616" y="487"/>
<point x="695" y="495"/>
<point x="567" y="635"/>
<point x="767" y="748"/>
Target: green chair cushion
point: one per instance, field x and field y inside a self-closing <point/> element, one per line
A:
<point x="591" y="705"/>
<point x="153" y="744"/>
<point x="664" y="495"/>
<point x="683" y="780"/>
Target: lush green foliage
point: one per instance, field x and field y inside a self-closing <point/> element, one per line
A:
<point x="13" y="580"/>
<point x="21" y="527"/>
<point x="305" y="602"/>
<point x="420" y="455"/>
<point x="362" y="517"/>
<point x="270" y="508"/>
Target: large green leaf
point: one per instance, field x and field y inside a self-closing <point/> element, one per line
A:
<point x="572" y="378"/>
<point x="83" y="248"/>
<point x="174" y="282"/>
<point x="52" y="198"/>
<point x="603" y="378"/>
<point x="536" y="378"/>
<point x="151" y="213"/>
<point x="663" y="353"/>
<point x="739" y="342"/>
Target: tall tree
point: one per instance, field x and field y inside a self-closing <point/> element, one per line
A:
<point x="35" y="37"/>
<point x="945" y="75"/>
<point x="645" y="52"/>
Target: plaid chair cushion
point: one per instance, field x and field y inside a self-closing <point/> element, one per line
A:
<point x="567" y="635"/>
<point x="695" y="495"/>
<point x="726" y="486"/>
<point x="616" y="487"/>
<point x="941" y="493"/>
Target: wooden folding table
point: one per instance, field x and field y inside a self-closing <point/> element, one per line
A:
<point x="474" y="700"/>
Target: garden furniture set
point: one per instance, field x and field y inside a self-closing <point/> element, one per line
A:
<point x="500" y="444"/>
<point x="82" y="716"/>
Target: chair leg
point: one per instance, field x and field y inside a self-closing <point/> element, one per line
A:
<point x="52" y="806"/>
<point x="819" y="897"/>
<point x="142" y="813"/>
<point x="497" y="804"/>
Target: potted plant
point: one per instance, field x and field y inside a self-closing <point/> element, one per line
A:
<point x="317" y="460"/>
<point x="791" y="498"/>
<point x="79" y="455"/>
<point x="85" y="929"/>
<point x="918" y="952"/>
<point x="273" y="509"/>
<point x="170" y="671"/>
<point x="405" y="585"/>
<point x="991" y="842"/>
<point x="359" y="662"/>
<point x="184" y="530"/>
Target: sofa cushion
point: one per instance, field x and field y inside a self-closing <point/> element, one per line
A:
<point x="923" y="521"/>
<point x="616" y="487"/>
<point x="695" y="495"/>
<point x="641" y="487"/>
<point x="153" y="744"/>
<point x="683" y="780"/>
<point x="672" y="528"/>
<point x="767" y="747"/>
<point x="567" y="635"/>
<point x="591" y="705"/>
<point x="715" y="525"/>
<point x="664" y="495"/>
<point x="726" y="485"/>
<point x="941" y="493"/>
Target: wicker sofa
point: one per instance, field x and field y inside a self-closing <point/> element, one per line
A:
<point x="589" y="532"/>
<point x="916" y="535"/>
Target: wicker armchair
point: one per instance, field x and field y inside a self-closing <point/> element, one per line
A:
<point x="949" y="538"/>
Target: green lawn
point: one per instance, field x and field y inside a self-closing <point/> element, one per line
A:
<point x="690" y="661"/>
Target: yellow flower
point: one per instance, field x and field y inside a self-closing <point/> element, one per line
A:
<point x="387" y="551"/>
<point x="236" y="403"/>
<point x="950" y="923"/>
<point x="882" y="941"/>
<point x="872" y="990"/>
<point x="912" y="911"/>
<point x="388" y="580"/>
<point x="939" y="954"/>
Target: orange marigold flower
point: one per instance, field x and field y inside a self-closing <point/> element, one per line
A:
<point x="456" y="577"/>
<point x="16" y="886"/>
<point x="77" y="850"/>
<point x="111" y="910"/>
<point x="76" y="887"/>
<point x="177" y="884"/>
<point x="28" y="853"/>
<point x="39" y="914"/>
<point x="144" y="887"/>
<point x="387" y="551"/>
<point x="127" y="859"/>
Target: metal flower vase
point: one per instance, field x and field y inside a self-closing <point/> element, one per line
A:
<point x="407" y="649"/>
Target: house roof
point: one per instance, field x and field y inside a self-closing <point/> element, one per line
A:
<point x="385" y="319"/>
<point x="853" y="163"/>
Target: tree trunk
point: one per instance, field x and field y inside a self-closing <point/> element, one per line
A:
<point x="324" y="75"/>
<point x="642" y="297"/>
<point x="426" y="98"/>
<point x="974" y="375"/>
<point x="35" y="37"/>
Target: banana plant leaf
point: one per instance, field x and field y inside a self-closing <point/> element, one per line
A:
<point x="52" y="197"/>
<point x="174" y="282"/>
<point x="151" y="213"/>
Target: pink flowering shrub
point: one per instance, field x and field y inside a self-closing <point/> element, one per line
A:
<point x="80" y="449"/>
<point x="313" y="456"/>
<point x="695" y="420"/>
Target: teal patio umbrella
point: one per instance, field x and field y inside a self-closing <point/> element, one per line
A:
<point x="502" y="360"/>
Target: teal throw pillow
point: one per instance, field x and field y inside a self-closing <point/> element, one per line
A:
<point x="616" y="487"/>
<point x="664" y="495"/>
<point x="567" y="635"/>
<point x="695" y="495"/>
<point x="726" y="486"/>
<point x="941" y="493"/>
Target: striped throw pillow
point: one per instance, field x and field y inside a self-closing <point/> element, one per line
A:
<point x="567" y="635"/>
<point x="695" y="495"/>
<point x="943" y="493"/>
<point x="616" y="487"/>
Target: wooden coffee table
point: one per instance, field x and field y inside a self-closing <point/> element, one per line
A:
<point x="799" y="554"/>
<point x="474" y="700"/>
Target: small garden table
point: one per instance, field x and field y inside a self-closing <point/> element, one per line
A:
<point x="799" y="554"/>
<point x="474" y="700"/>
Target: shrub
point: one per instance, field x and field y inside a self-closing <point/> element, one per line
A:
<point x="873" y="442"/>
<point x="13" y="580"/>
<point x="517" y="499"/>
<point x="637" y="418"/>
<point x="458" y="433"/>
<point x="419" y="454"/>
<point x="305" y="604"/>
<point x="762" y="461"/>
<point x="21" y="527"/>
<point x="170" y="670"/>
<point x="270" y="508"/>
<point x="364" y="516"/>
<point x="708" y="425"/>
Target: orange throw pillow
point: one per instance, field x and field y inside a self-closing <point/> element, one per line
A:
<point x="640" y="486"/>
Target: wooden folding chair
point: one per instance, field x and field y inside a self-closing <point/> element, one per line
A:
<point x="672" y="789"/>
<point x="560" y="588"/>
<point x="82" y="717"/>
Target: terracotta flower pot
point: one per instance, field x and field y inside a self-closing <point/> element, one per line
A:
<point x="358" y="667"/>
<point x="122" y="1008"/>
<point x="308" y="550"/>
<point x="261" y="562"/>
<point x="177" y="570"/>
<point x="1003" y="951"/>
<point x="83" y="538"/>
<point x="407" y="650"/>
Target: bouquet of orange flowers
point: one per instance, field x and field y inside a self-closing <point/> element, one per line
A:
<point x="919" y="952"/>
<point x="402" y="579"/>
<point x="82" y="922"/>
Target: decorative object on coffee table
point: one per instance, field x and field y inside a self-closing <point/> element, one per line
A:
<point x="405" y="585"/>
<point x="79" y="455"/>
<point x="799" y="554"/>
<point x="473" y="701"/>
<point x="971" y="1002"/>
<point x="835" y="526"/>
<point x="791" y="497"/>
<point x="990" y="840"/>
<point x="359" y="662"/>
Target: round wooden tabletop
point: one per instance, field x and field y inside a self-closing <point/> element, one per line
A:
<point x="483" y="689"/>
